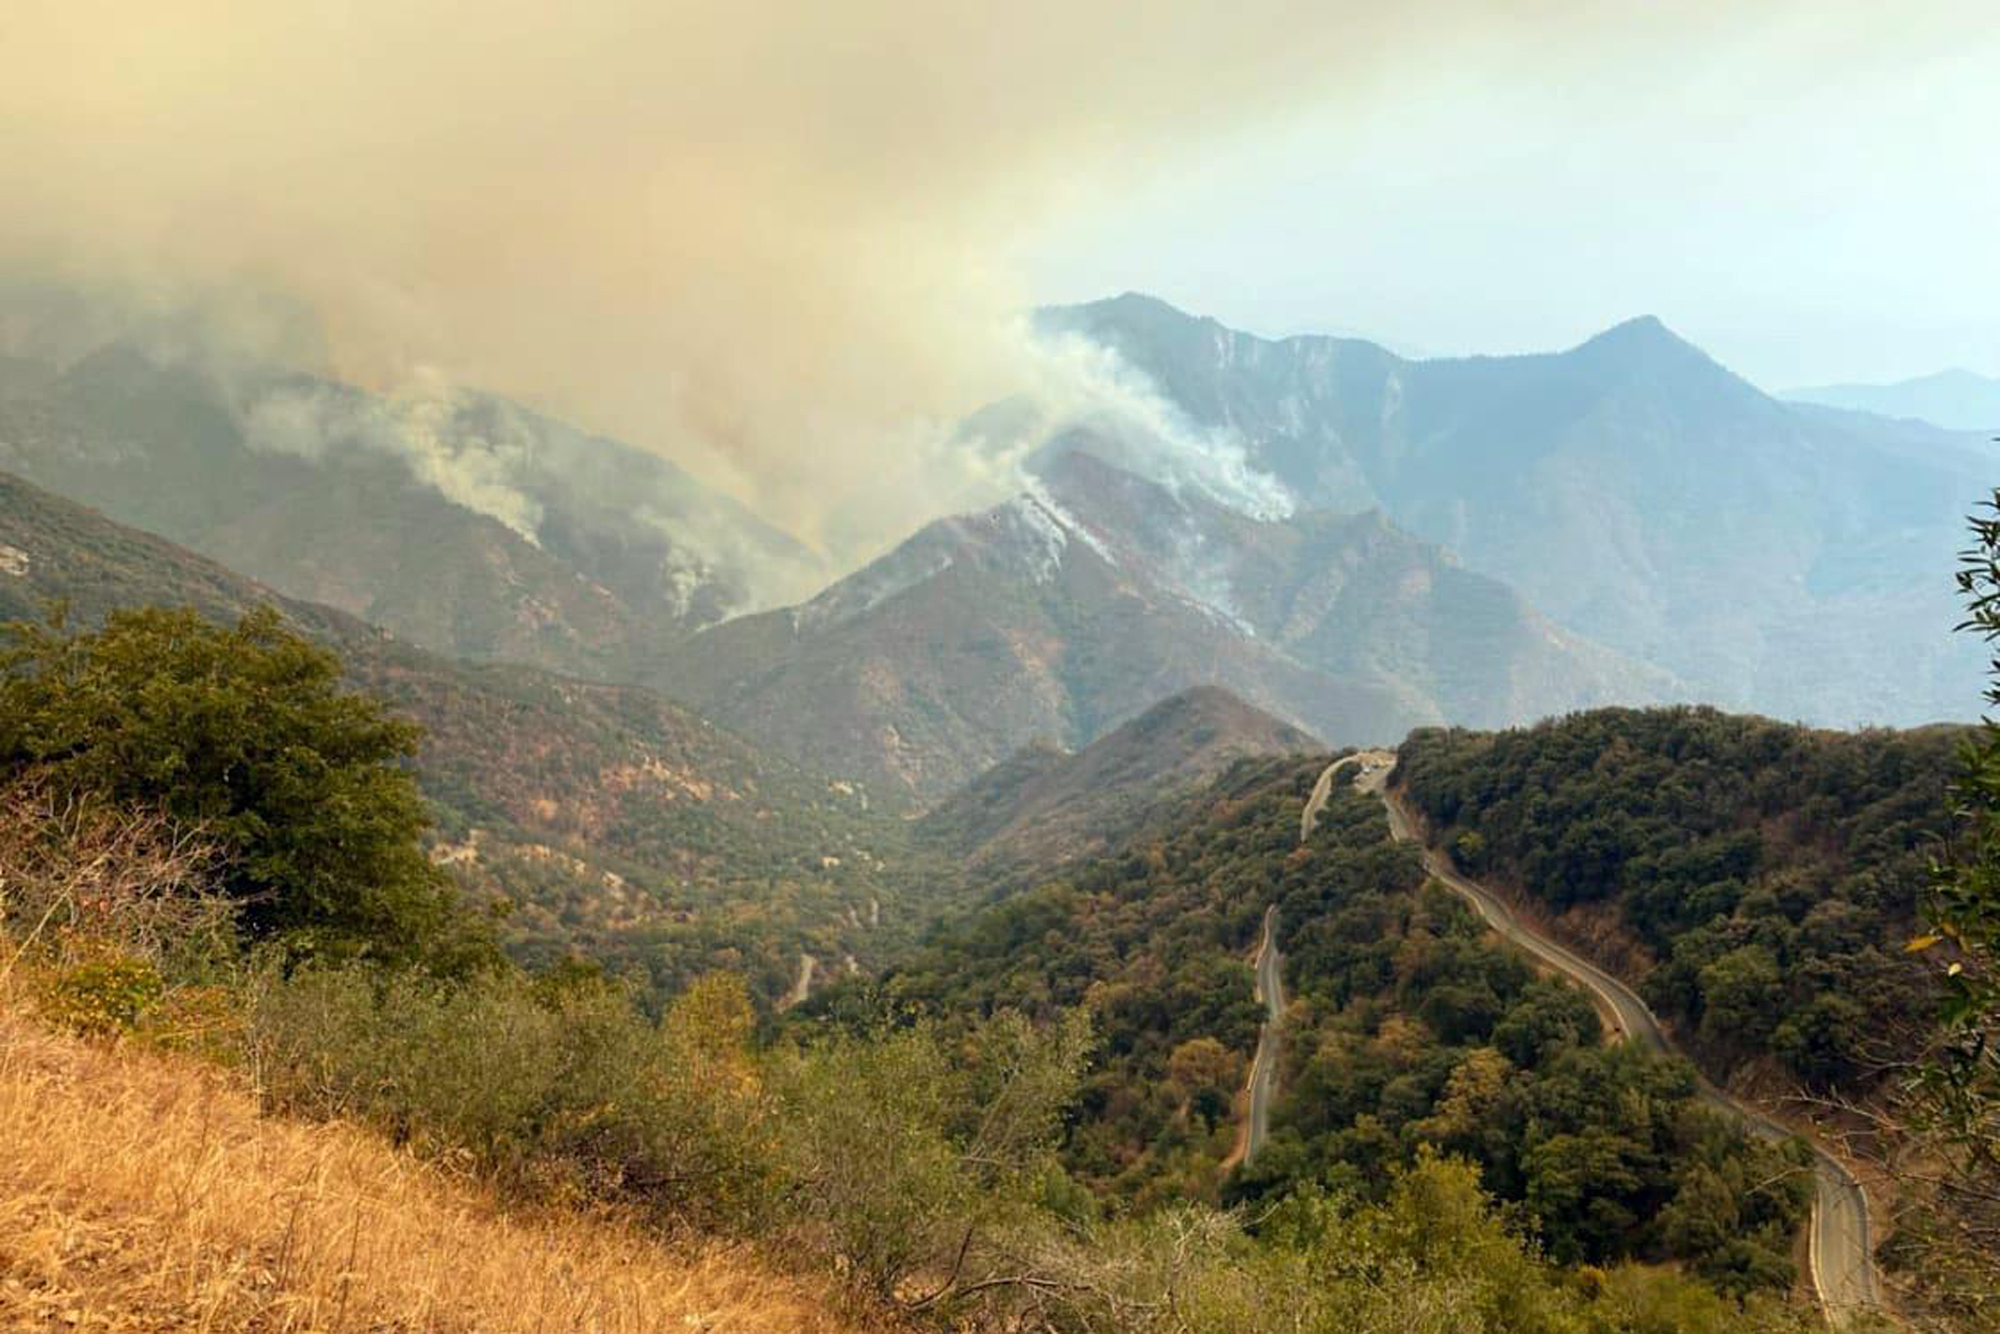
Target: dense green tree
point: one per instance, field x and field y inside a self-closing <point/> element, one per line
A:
<point x="1963" y="908"/>
<point x="246" y="734"/>
<point x="1951" y="1108"/>
<point x="1767" y="870"/>
<point x="1742" y="997"/>
<point x="1549" y="1016"/>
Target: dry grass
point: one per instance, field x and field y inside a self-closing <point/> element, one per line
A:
<point x="140" y="1192"/>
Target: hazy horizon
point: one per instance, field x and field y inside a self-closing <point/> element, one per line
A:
<point x="790" y="251"/>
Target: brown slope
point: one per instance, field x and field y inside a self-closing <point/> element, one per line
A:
<point x="982" y="633"/>
<point x="1355" y="596"/>
<point x="332" y="1226"/>
<point x="1080" y="603"/>
<point x="1042" y="807"/>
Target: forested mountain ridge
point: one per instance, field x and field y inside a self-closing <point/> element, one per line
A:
<point x="1758" y="878"/>
<point x="1408" y="1031"/>
<point x="1773" y="556"/>
<point x="613" y="819"/>
<point x="1044" y="806"/>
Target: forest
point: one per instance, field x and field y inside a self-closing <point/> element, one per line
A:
<point x="1408" y="1033"/>
<point x="1761" y="876"/>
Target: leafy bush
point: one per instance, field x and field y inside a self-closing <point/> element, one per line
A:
<point x="245" y="735"/>
<point x="905" y="1153"/>
<point x="1433" y="1256"/>
<point x="562" y="1090"/>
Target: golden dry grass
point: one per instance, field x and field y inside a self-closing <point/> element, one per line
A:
<point x="140" y="1192"/>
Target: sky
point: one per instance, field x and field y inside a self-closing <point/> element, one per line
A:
<point x="789" y="244"/>
<point x="1810" y="197"/>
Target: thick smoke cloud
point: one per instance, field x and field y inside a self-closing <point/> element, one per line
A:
<point x="769" y="240"/>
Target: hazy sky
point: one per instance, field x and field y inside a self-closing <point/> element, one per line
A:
<point x="1810" y="195"/>
<point x="786" y="243"/>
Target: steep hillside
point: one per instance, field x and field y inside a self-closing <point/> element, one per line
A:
<point x="1633" y="489"/>
<point x="463" y="524"/>
<point x="614" y="819"/>
<point x="1759" y="878"/>
<point x="327" y="1224"/>
<point x="1407" y="1029"/>
<point x="1044" y="806"/>
<point x="1081" y="602"/>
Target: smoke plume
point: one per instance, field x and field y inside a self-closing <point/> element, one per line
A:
<point x="771" y="241"/>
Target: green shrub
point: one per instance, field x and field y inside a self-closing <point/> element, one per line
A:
<point x="561" y="1091"/>
<point x="246" y="735"/>
<point x="1468" y="850"/>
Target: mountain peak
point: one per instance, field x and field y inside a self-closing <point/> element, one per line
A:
<point x="1125" y="316"/>
<point x="1210" y="705"/>
<point x="1645" y="347"/>
<point x="1641" y="333"/>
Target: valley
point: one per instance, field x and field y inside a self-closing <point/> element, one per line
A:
<point x="1112" y="754"/>
<point x="675" y="667"/>
<point x="602" y="817"/>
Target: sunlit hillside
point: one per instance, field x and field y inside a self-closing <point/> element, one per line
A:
<point x="146" y="1193"/>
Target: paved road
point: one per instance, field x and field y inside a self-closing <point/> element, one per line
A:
<point x="1270" y="978"/>
<point x="1271" y="993"/>
<point x="1841" y="1248"/>
<point x="1369" y="760"/>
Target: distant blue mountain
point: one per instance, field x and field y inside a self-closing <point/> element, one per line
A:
<point x="1956" y="399"/>
<point x="1773" y="556"/>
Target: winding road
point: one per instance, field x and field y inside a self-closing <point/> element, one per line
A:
<point x="1840" y="1246"/>
<point x="1270" y="985"/>
<point x="1271" y="994"/>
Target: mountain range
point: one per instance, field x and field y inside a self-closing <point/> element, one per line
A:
<point x="462" y="522"/>
<point x="1074" y="606"/>
<point x="1774" y="556"/>
<point x="1480" y="541"/>
<point x="1955" y="399"/>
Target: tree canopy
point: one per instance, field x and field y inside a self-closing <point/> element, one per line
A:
<point x="246" y="734"/>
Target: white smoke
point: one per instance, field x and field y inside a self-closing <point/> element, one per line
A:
<point x="1089" y="386"/>
<point x="423" y="428"/>
<point x="1068" y="384"/>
